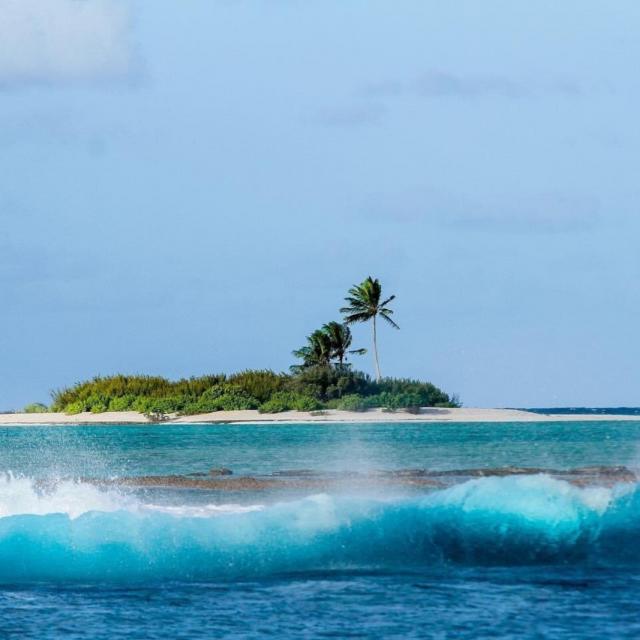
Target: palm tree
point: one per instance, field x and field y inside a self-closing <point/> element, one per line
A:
<point x="340" y="339"/>
<point x="365" y="304"/>
<point x="317" y="351"/>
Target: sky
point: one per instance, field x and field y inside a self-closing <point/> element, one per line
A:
<point x="192" y="187"/>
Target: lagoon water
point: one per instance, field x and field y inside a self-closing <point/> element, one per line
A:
<point x="521" y="556"/>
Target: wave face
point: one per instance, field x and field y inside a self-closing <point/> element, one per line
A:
<point x="78" y="532"/>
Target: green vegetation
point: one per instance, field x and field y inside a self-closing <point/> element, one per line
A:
<point x="290" y="401"/>
<point x="260" y="385"/>
<point x="36" y="407"/>
<point x="324" y="379"/>
<point x="326" y="346"/>
<point x="312" y="388"/>
<point x="352" y="402"/>
<point x="222" y="397"/>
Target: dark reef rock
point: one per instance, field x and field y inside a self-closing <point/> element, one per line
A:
<point x="305" y="479"/>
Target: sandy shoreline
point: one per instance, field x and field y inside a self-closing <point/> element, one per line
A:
<point x="332" y="415"/>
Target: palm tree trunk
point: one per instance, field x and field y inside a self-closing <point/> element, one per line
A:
<point x="375" y="350"/>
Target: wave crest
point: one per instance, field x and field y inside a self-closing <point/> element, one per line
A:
<point x="75" y="531"/>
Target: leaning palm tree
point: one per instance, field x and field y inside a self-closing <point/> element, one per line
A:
<point x="340" y="339"/>
<point x="317" y="351"/>
<point x="365" y="304"/>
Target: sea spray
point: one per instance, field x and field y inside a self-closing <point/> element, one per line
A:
<point x="502" y="521"/>
<point x="21" y="496"/>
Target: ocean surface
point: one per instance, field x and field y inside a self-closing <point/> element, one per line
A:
<point x="601" y="411"/>
<point x="528" y="530"/>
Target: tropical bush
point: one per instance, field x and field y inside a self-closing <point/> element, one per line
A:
<point x="260" y="384"/>
<point x="74" y="408"/>
<point x="96" y="403"/>
<point x="236" y="401"/>
<point x="308" y="389"/>
<point x="424" y="394"/>
<point x="326" y="383"/>
<point x="169" y="404"/>
<point x="352" y="402"/>
<point x="289" y="401"/>
<point x="138" y="386"/>
<point x="221" y="398"/>
<point x="393" y="401"/>
<point x="122" y="403"/>
<point x="36" y="407"/>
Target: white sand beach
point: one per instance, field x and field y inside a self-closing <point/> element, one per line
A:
<point x="331" y="415"/>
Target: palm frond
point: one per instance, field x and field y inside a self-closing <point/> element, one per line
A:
<point x="358" y="317"/>
<point x="385" y="314"/>
<point x="357" y="302"/>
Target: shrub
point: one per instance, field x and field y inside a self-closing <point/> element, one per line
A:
<point x="217" y="391"/>
<point x="288" y="401"/>
<point x="306" y="403"/>
<point x="212" y="393"/>
<point x="387" y="400"/>
<point x="221" y="398"/>
<point x="423" y="394"/>
<point x="306" y="390"/>
<point x="36" y="407"/>
<point x="326" y="383"/>
<point x="96" y="403"/>
<point x="229" y="397"/>
<point x="237" y="402"/>
<point x="259" y="384"/>
<point x="122" y="403"/>
<point x="171" y="404"/>
<point x="74" y="408"/>
<point x="199" y="406"/>
<point x="138" y="386"/>
<point x="275" y="404"/>
<point x="352" y="402"/>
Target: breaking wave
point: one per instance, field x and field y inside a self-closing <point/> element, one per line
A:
<point x="75" y="531"/>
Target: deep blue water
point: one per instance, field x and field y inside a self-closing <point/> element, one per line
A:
<point x="526" y="556"/>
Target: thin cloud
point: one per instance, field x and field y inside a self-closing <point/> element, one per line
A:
<point x="537" y="213"/>
<point x="447" y="84"/>
<point x="376" y="98"/>
<point x="439" y="84"/>
<point x="354" y="116"/>
<point x="64" y="41"/>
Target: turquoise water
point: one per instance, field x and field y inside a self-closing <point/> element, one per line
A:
<point x="260" y="449"/>
<point x="525" y="556"/>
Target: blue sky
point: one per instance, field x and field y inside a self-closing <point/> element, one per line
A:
<point x="192" y="187"/>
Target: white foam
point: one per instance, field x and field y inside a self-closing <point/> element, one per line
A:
<point x="202" y="511"/>
<point x="24" y="496"/>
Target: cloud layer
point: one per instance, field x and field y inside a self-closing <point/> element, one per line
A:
<point x="437" y="83"/>
<point x="63" y="41"/>
<point x="530" y="213"/>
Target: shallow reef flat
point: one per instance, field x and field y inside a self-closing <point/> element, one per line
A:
<point x="310" y="480"/>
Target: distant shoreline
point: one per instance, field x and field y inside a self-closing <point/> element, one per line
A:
<point x="434" y="415"/>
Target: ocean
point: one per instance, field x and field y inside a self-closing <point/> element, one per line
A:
<point x="526" y="530"/>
